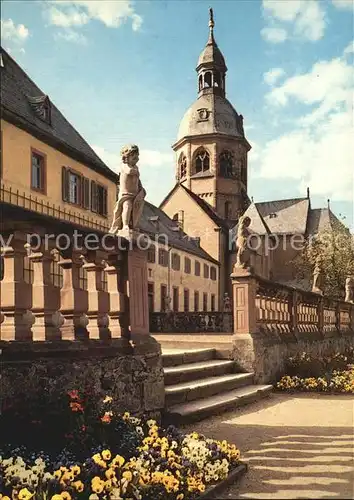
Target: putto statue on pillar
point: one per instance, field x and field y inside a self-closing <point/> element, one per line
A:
<point x="317" y="276"/>
<point x="243" y="258"/>
<point x="349" y="289"/>
<point x="130" y="203"/>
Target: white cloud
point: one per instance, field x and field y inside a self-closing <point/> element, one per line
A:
<point x="349" y="49"/>
<point x="112" y="14"/>
<point x="15" y="33"/>
<point x="148" y="158"/>
<point x="327" y="81"/>
<point x="71" y="36"/>
<point x="343" y="4"/>
<point x="271" y="76"/>
<point x="306" y="17"/>
<point x="66" y="19"/>
<point x="274" y="35"/>
<point x="318" y="151"/>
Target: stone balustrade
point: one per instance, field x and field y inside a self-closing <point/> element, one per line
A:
<point x="41" y="311"/>
<point x="190" y="322"/>
<point x="273" y="321"/>
<point x="54" y="338"/>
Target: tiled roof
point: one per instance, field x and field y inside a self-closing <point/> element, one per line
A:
<point x="21" y="102"/>
<point x="163" y="226"/>
<point x="285" y="216"/>
<point x="322" y="219"/>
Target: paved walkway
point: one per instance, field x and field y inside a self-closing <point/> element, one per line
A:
<point x="296" y="446"/>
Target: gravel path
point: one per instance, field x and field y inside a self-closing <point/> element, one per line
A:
<point x="296" y="446"/>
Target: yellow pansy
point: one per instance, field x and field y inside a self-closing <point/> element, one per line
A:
<point x="106" y="455"/>
<point x="25" y="494"/>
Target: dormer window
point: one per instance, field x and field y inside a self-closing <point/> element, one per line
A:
<point x="41" y="106"/>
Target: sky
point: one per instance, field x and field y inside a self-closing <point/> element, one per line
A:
<point x="124" y="72"/>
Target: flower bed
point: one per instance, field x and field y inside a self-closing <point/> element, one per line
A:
<point x="108" y="455"/>
<point x="331" y="373"/>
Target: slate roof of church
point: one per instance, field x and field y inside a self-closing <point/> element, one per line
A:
<point x="285" y="216"/>
<point x="164" y="226"/>
<point x="322" y="219"/>
<point x="17" y="90"/>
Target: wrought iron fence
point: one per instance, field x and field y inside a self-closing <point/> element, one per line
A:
<point x="30" y="202"/>
<point x="198" y="322"/>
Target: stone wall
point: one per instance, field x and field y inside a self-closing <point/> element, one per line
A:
<point x="133" y="375"/>
<point x="273" y="322"/>
<point x="267" y="358"/>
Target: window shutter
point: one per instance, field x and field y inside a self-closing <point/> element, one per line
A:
<point x="64" y="183"/>
<point x="105" y="210"/>
<point x="86" y="191"/>
<point x="93" y="196"/>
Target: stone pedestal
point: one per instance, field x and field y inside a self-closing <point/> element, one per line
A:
<point x="138" y="293"/>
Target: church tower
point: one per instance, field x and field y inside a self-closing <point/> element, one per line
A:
<point x="211" y="148"/>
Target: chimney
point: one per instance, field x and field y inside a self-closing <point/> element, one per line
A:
<point x="328" y="204"/>
<point x="308" y="193"/>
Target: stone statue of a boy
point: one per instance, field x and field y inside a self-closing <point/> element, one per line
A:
<point x="130" y="203"/>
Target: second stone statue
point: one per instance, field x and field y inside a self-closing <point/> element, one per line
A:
<point x="130" y="203"/>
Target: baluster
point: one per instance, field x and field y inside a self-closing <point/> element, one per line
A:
<point x="73" y="300"/>
<point x="117" y="290"/>
<point x="45" y="297"/>
<point x="98" y="299"/>
<point x="16" y="294"/>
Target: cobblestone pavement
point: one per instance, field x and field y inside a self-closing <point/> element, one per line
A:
<point x="296" y="446"/>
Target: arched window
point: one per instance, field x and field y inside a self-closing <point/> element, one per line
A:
<point x="202" y="161"/>
<point x="182" y="166"/>
<point x="217" y="82"/>
<point x="207" y="79"/>
<point x="200" y="82"/>
<point x="226" y="164"/>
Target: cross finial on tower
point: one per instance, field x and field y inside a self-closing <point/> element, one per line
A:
<point x="211" y="18"/>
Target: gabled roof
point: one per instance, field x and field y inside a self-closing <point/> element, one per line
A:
<point x="285" y="216"/>
<point x="22" y="104"/>
<point x="208" y="209"/>
<point x="164" y="226"/>
<point x="322" y="219"/>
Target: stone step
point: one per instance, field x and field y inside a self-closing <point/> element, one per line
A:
<point x="203" y="408"/>
<point x="175" y="357"/>
<point x="194" y="371"/>
<point x="204" y="388"/>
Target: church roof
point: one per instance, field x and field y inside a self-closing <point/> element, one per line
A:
<point x="285" y="216"/>
<point x="211" y="114"/>
<point x="208" y="209"/>
<point x="211" y="54"/>
<point x="26" y="106"/>
<point x="155" y="221"/>
<point x="322" y="219"/>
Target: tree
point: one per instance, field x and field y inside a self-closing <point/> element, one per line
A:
<point x="333" y="250"/>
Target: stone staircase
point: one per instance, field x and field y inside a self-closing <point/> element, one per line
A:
<point x="199" y="384"/>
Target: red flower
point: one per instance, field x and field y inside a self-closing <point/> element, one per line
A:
<point x="106" y="419"/>
<point x="83" y="428"/>
<point x="74" y="394"/>
<point x="76" y="407"/>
